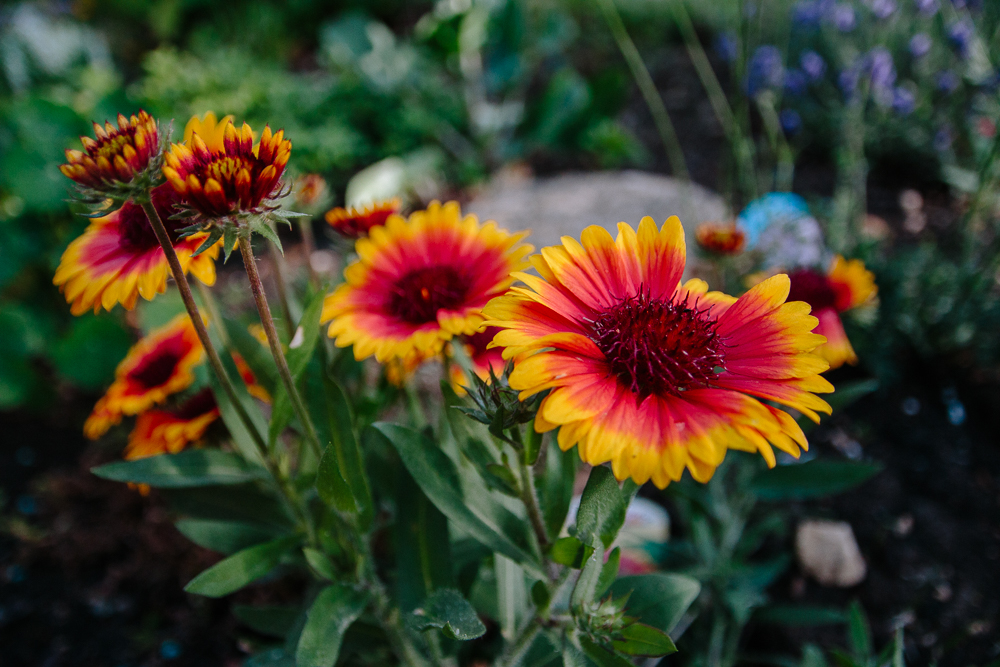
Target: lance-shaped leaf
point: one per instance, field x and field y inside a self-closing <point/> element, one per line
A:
<point x="333" y="611"/>
<point x="644" y="640"/>
<point x="602" y="508"/>
<point x="194" y="467"/>
<point x="226" y="537"/>
<point x="342" y="480"/>
<point x="812" y="479"/>
<point x="657" y="599"/>
<point x="243" y="567"/>
<point x="571" y="552"/>
<point x="448" y="610"/>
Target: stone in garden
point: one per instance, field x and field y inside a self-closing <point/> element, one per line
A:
<point x="828" y="552"/>
<point x="564" y="205"/>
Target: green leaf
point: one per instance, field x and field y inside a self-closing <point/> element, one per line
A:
<point x="643" y="640"/>
<point x="436" y="474"/>
<point x="274" y="621"/>
<point x="850" y="392"/>
<point x="585" y="589"/>
<point x="194" y="467"/>
<point x="448" y="610"/>
<point x="333" y="611"/>
<point x="609" y="572"/>
<point x="330" y="483"/>
<point x="346" y="454"/>
<point x="242" y="438"/>
<point x="812" y="656"/>
<point x="532" y="446"/>
<point x="859" y="632"/>
<point x="571" y="552"/>
<point x="239" y="502"/>
<point x="229" y="239"/>
<point x="555" y="486"/>
<point x="240" y="569"/>
<point x="602" y="656"/>
<point x="540" y="596"/>
<point x="226" y="537"/>
<point x="256" y="355"/>
<point x="423" y="545"/>
<point x="657" y="599"/>
<point x="298" y="358"/>
<point x="812" y="479"/>
<point x="319" y="562"/>
<point x="264" y="228"/>
<point x="799" y="615"/>
<point x="602" y="508"/>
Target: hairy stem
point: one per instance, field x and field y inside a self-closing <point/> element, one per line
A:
<point x="661" y="118"/>
<point x="199" y="325"/>
<point x="517" y="649"/>
<point x="530" y="500"/>
<point x="272" y="340"/>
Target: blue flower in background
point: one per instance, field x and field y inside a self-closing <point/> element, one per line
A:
<point x="725" y="46"/>
<point x="927" y="7"/>
<point x="766" y="70"/>
<point x="883" y="75"/>
<point x="791" y="121"/>
<point x="772" y="207"/>
<point x="942" y="139"/>
<point x="796" y="82"/>
<point x="809" y="13"/>
<point x="960" y="34"/>
<point x="848" y="80"/>
<point x="843" y="17"/>
<point x="920" y="45"/>
<point x="903" y="100"/>
<point x="813" y="65"/>
<point x="883" y="9"/>
<point x="947" y="81"/>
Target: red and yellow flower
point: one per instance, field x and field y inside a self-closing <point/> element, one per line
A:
<point x="420" y="282"/>
<point x="220" y="179"/>
<point x="650" y="374"/>
<point x="116" y="155"/>
<point x="355" y="223"/>
<point x="171" y="431"/>
<point x="846" y="285"/>
<point x="720" y="239"/>
<point x="117" y="259"/>
<point x="482" y="356"/>
<point x="310" y="191"/>
<point x="157" y="366"/>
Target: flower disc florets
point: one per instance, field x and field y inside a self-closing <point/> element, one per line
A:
<point x="230" y="179"/>
<point x="118" y="163"/>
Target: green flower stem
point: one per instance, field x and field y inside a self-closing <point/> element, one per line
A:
<point x="309" y="247"/>
<point x="199" y="326"/>
<point x="518" y="649"/>
<point x="272" y="339"/>
<point x="278" y="261"/>
<point x="647" y="87"/>
<point x="529" y="497"/>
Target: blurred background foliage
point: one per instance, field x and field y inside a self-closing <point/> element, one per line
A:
<point x="458" y="88"/>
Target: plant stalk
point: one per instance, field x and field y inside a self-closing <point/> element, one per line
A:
<point x="199" y="325"/>
<point x="309" y="247"/>
<point x="664" y="126"/>
<point x="272" y="339"/>
<point x="530" y="501"/>
<point x="279" y="282"/>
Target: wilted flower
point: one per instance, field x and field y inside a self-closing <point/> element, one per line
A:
<point x="720" y="239"/>
<point x="813" y="65"/>
<point x="648" y="373"/>
<point x="765" y="70"/>
<point x="845" y="286"/>
<point x="356" y="222"/>
<point x="117" y="157"/>
<point x="232" y="177"/>
<point x="920" y="45"/>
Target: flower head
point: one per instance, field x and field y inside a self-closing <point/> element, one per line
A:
<point x="845" y="286"/>
<point x="116" y="156"/>
<point x="357" y="222"/>
<point x="765" y="71"/>
<point x="221" y="179"/>
<point x="171" y="431"/>
<point x="650" y="374"/>
<point x="117" y="259"/>
<point x="813" y="65"/>
<point x="920" y="45"/>
<point x="720" y="239"/>
<point x="157" y="366"/>
<point x="420" y="282"/>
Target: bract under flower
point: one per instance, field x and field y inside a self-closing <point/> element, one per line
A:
<point x="420" y="282"/>
<point x="650" y="374"/>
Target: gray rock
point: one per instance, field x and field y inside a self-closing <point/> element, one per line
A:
<point x="828" y="552"/>
<point x="564" y="205"/>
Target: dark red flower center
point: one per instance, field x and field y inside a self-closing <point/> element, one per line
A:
<point x="812" y="287"/>
<point x="658" y="347"/>
<point x="419" y="295"/>
<point x="136" y="233"/>
<point x="196" y="405"/>
<point x="156" y="369"/>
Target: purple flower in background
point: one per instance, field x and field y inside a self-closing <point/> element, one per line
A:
<point x="927" y="7"/>
<point x="903" y="100"/>
<point x="791" y="121"/>
<point x="765" y="70"/>
<point x="947" y="82"/>
<point x="920" y="44"/>
<point x="960" y="33"/>
<point x="813" y="65"/>
<point x="883" y="75"/>
<point x="796" y="81"/>
<point x="848" y="80"/>
<point x="942" y="139"/>
<point x="883" y="9"/>
<point x="843" y="17"/>
<point x="725" y="46"/>
<point x="808" y="13"/>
